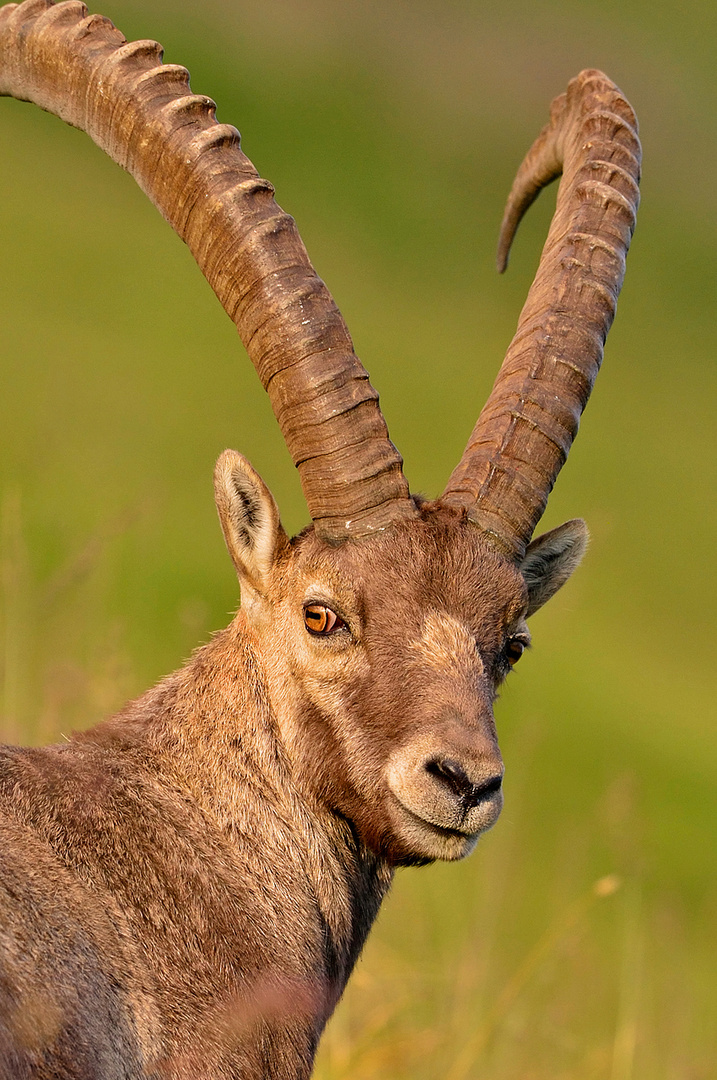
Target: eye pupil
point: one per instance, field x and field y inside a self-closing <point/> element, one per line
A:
<point x="320" y="619"/>
<point x="514" y="651"/>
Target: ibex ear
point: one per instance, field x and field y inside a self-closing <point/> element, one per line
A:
<point x="551" y="559"/>
<point x="249" y="518"/>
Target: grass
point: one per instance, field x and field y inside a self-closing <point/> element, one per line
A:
<point x="578" y="941"/>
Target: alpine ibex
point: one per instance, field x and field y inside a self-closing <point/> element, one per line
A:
<point x="185" y="888"/>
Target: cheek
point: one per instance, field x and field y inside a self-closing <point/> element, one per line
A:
<point x="339" y="692"/>
<point x="329" y="677"/>
<point x="334" y="684"/>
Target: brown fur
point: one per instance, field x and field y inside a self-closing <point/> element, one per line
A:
<point x="188" y="885"/>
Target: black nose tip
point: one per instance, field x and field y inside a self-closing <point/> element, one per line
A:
<point x="453" y="775"/>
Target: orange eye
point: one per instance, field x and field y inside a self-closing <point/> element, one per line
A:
<point x="319" y="619"/>
<point x="514" y="649"/>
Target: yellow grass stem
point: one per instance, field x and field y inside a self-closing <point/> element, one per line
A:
<point x="603" y="887"/>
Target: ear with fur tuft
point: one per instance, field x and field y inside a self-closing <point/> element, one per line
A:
<point x="551" y="559"/>
<point x="249" y="518"/>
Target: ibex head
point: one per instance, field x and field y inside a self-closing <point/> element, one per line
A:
<point x="383" y="656"/>
<point x="385" y="628"/>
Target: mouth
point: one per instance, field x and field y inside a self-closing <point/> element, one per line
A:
<point x="427" y="841"/>
<point x="443" y="799"/>
<point x="431" y="826"/>
<point x="471" y="821"/>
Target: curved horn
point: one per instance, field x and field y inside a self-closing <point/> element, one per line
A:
<point x="144" y="116"/>
<point x="523" y="434"/>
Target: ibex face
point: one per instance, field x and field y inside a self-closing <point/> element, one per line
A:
<point x="383" y="657"/>
<point x="399" y="699"/>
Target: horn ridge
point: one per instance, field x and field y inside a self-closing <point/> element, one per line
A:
<point x="527" y="426"/>
<point x="144" y="115"/>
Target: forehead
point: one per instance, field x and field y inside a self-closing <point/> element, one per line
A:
<point x="437" y="562"/>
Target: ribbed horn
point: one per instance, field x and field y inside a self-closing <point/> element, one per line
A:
<point x="525" y="431"/>
<point x="143" y="114"/>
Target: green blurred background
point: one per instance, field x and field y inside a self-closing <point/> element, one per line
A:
<point x="579" y="941"/>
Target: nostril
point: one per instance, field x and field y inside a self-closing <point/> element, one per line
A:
<point x="453" y="775"/>
<point x="450" y="773"/>
<point x="489" y="787"/>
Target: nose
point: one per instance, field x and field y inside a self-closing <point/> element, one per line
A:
<point x="453" y="776"/>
